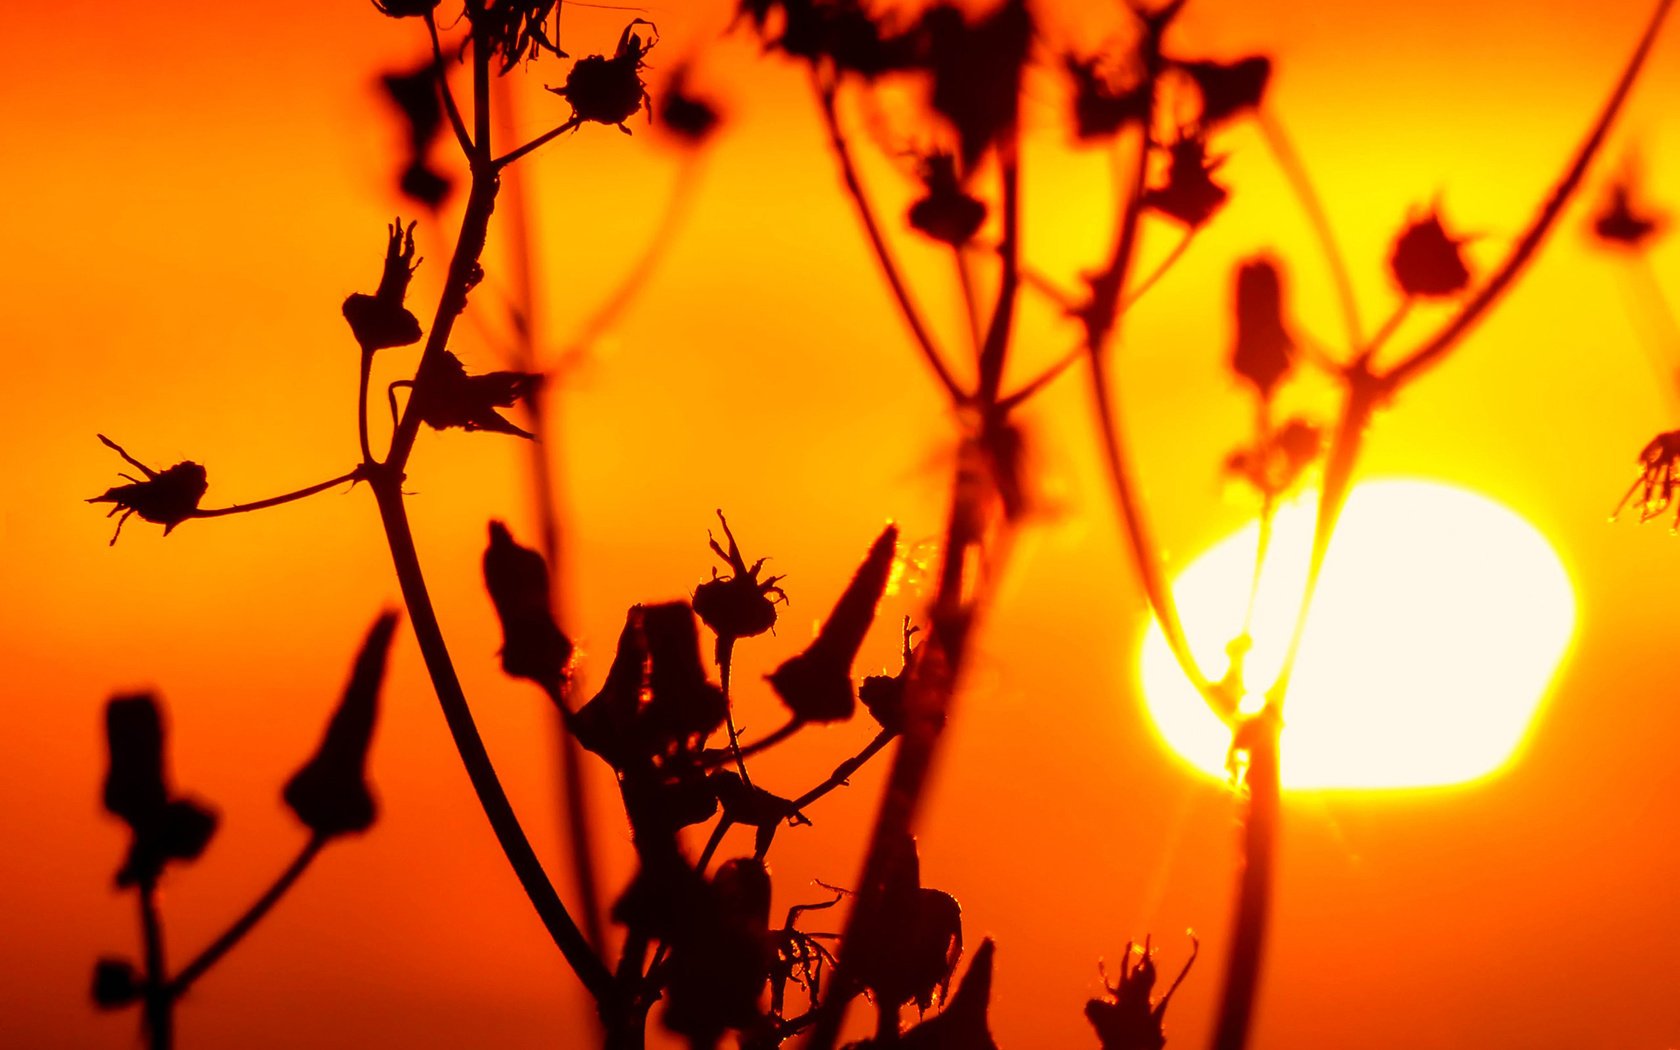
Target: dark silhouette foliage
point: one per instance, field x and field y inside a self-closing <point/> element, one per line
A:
<point x="1129" y="1019"/>
<point x="1426" y="262"/>
<point x="533" y="646"/>
<point x="164" y="826"/>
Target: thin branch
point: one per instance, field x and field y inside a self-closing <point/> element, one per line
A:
<point x="244" y="924"/>
<point x="970" y="298"/>
<point x="537" y="143"/>
<point x="1295" y="172"/>
<point x="883" y="255"/>
<point x="1254" y="895"/>
<point x="995" y="348"/>
<point x="455" y="121"/>
<point x="159" y="1006"/>
<point x="844" y="770"/>
<point x="359" y="474"/>
<point x="364" y="375"/>
<point x="1012" y="401"/>
<point x="1444" y="340"/>
<point x="1145" y="558"/>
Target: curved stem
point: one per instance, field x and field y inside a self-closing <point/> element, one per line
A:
<point x="244" y="924"/>
<point x="1295" y="172"/>
<point x="1145" y="560"/>
<point x="1444" y="340"/>
<point x="565" y="933"/>
<point x="725" y="655"/>
<point x="362" y="379"/>
<point x="449" y="107"/>
<point x="883" y="255"/>
<point x="359" y="474"/>
<point x="995" y="348"/>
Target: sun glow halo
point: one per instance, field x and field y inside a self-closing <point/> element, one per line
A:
<point x="1440" y="620"/>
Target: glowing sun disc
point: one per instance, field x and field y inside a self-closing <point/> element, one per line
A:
<point x="1440" y="620"/>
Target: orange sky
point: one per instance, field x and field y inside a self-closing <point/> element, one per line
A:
<point x="192" y="189"/>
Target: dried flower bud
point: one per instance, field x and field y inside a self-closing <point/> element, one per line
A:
<point x="607" y="724"/>
<point x="977" y="69"/>
<point x="1659" y="475"/>
<point x="681" y="701"/>
<point x="1428" y="263"/>
<point x="1263" y="347"/>
<point x="946" y="213"/>
<point x="908" y="947"/>
<point x="116" y="983"/>
<point x="961" y="1025"/>
<point x="1619" y="225"/>
<point x="330" y="794"/>
<point x="1128" y="1020"/>
<point x="1190" y="194"/>
<point x="137" y="791"/>
<point x="883" y="695"/>
<point x="166" y="497"/>
<point x="404" y="8"/>
<point x="720" y="965"/>
<point x="517" y="29"/>
<point x="816" y="685"/>
<point x="447" y="397"/>
<point x="1099" y="109"/>
<point x="1228" y="89"/>
<point x="610" y="90"/>
<point x="533" y="646"/>
<point x="739" y="605"/>
<point x="692" y="118"/>
<point x="380" y="320"/>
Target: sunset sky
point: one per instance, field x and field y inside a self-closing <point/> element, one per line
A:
<point x="191" y="190"/>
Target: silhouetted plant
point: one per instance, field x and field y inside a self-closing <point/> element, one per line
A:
<point x="696" y="936"/>
<point x="329" y="795"/>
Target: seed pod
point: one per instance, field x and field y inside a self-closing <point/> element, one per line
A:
<point x="533" y="646"/>
<point x="816" y="685"/>
<point x="1263" y="345"/>
<point x="1426" y="262"/>
<point x="330" y="794"/>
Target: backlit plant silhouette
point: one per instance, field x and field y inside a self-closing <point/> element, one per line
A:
<point x="698" y="934"/>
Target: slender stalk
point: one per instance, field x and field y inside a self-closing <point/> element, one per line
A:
<point x="537" y="143"/>
<point x="362" y="379"/>
<point x="996" y="345"/>
<point x="1254" y="896"/>
<point x="1080" y="352"/>
<point x="1432" y="351"/>
<point x="725" y="655"/>
<point x="970" y="297"/>
<point x="387" y="489"/>
<point x="244" y="924"/>
<point x="1295" y="172"/>
<point x="543" y="456"/>
<point x="883" y="255"/>
<point x="449" y="107"/>
<point x="1103" y="325"/>
<point x="159" y="1005"/>
<point x="844" y="770"/>
<point x="359" y="474"/>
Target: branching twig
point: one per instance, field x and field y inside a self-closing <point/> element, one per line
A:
<point x="230" y="937"/>
<point x="359" y="474"/>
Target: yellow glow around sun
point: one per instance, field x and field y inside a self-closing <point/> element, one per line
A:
<point x="1440" y="619"/>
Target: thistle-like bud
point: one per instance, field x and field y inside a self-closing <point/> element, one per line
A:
<point x="1426" y="262"/>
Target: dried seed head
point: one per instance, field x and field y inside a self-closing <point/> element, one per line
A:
<point x="1426" y="262"/>
<point x="1263" y="347"/>
<point x="1190" y="195"/>
<point x="610" y="90"/>
<point x="946" y="212"/>
<point x="533" y="646"/>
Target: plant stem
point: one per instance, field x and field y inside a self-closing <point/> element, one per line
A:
<point x="241" y="926"/>
<point x="844" y="770"/>
<point x="883" y="255"/>
<point x="1254" y="895"/>
<point x="274" y="501"/>
<point x="455" y="121"/>
<point x="159" y="1005"/>
<point x="362" y="379"/>
<point x="544" y="456"/>
<point x="537" y="143"/>
<point x="387" y="489"/>
<point x="1295" y="172"/>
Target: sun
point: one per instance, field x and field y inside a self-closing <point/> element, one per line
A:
<point x="1441" y="618"/>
